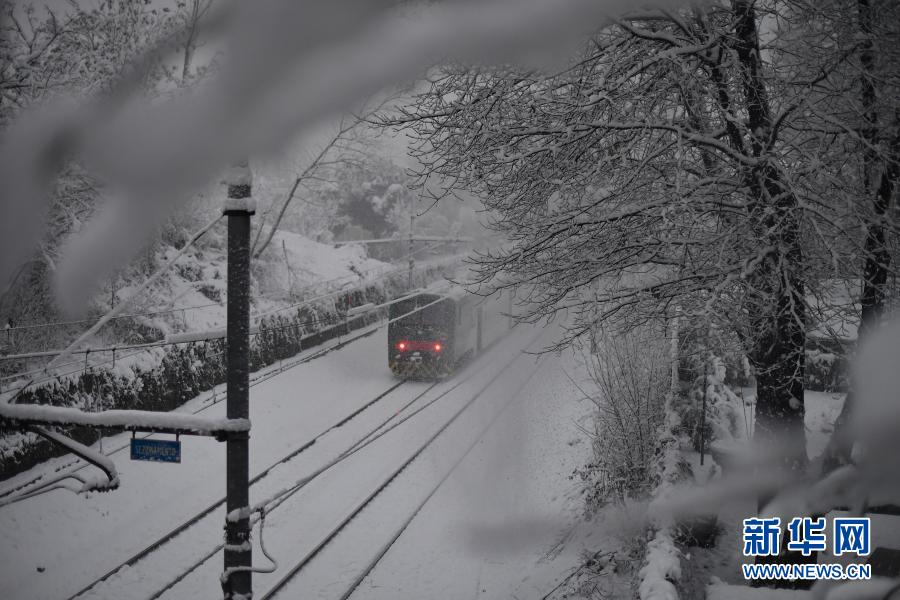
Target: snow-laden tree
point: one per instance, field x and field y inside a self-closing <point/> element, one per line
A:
<point x="71" y="54"/>
<point x="693" y="161"/>
<point x="865" y="115"/>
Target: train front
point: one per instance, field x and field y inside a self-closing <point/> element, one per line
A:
<point x="420" y="340"/>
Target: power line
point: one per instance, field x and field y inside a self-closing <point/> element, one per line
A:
<point x="117" y="317"/>
<point x="405" y="239"/>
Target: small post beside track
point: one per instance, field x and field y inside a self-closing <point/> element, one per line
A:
<point x="412" y="262"/>
<point x="703" y="414"/>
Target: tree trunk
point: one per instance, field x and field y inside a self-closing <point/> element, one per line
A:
<point x="779" y="352"/>
<point x="877" y="258"/>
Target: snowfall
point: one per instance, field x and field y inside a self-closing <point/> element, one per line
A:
<point x="499" y="526"/>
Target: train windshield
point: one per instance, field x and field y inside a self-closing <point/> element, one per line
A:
<point x="421" y="311"/>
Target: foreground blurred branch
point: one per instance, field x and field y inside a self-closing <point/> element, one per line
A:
<point x="285" y="65"/>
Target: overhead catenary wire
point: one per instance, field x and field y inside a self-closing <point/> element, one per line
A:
<point x="147" y="346"/>
<point x="333" y="323"/>
<point x="174" y="309"/>
<point x="364" y="441"/>
<point x="267" y="374"/>
<point x="100" y="460"/>
<point x="156" y="312"/>
<point x="336" y="292"/>
<point x="163" y="311"/>
<point x="153" y="313"/>
<point x="281" y="496"/>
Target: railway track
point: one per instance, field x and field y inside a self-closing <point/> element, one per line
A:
<point x="383" y="550"/>
<point x="381" y="429"/>
<point x="187" y="524"/>
<point x="332" y="534"/>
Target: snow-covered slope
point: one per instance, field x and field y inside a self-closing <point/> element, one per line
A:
<point x="291" y="266"/>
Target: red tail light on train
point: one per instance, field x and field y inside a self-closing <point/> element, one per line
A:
<point x="420" y="346"/>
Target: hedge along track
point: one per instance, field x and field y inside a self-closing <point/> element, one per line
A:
<point x="333" y="533"/>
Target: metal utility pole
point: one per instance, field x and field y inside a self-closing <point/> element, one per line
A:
<point x="412" y="220"/>
<point x="236" y="580"/>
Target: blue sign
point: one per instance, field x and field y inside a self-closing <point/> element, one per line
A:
<point x="155" y="450"/>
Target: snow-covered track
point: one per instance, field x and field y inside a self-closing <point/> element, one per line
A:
<point x="161" y="541"/>
<point x="360" y="506"/>
<point x="150" y="566"/>
<point x="379" y="431"/>
<point x="376" y="559"/>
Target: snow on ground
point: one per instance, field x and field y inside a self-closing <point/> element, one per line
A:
<point x="312" y="261"/>
<point x="497" y="527"/>
<point x="499" y="514"/>
<point x="835" y="308"/>
<point x="291" y="264"/>
<point x="191" y="296"/>
<point x="49" y="532"/>
<point x="822" y="408"/>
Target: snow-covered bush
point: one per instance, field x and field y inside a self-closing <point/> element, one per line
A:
<point x="724" y="419"/>
<point x="700" y="339"/>
<point x="826" y="370"/>
<point x="630" y="375"/>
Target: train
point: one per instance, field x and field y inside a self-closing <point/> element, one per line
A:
<point x="431" y="333"/>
